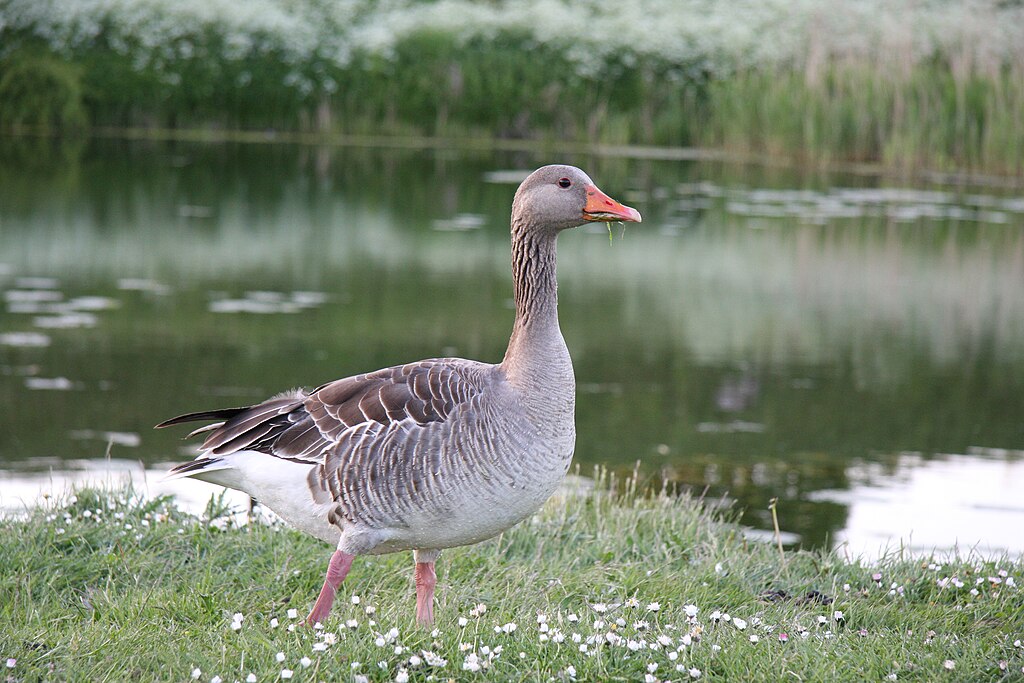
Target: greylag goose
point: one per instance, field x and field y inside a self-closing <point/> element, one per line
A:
<point x="434" y="454"/>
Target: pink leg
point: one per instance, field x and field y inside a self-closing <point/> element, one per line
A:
<point x="426" y="579"/>
<point x="337" y="570"/>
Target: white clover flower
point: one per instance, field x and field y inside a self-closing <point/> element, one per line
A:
<point x="471" y="663"/>
<point x="352" y="623"/>
<point x="741" y="624"/>
<point x="293" y="613"/>
<point x="196" y="673"/>
<point x="570" y="671"/>
<point x="11" y="662"/>
<point x="279" y="657"/>
<point x="695" y="673"/>
<point x="599" y="607"/>
<point x="557" y="636"/>
<point x="650" y="678"/>
<point x="274" y="622"/>
<point x="215" y="679"/>
<point x="251" y="678"/>
<point x="330" y="638"/>
<point x="632" y="602"/>
<point x="432" y="659"/>
<point x="354" y="599"/>
<point x="463" y="621"/>
<point x="287" y="673"/>
<point x="415" y="661"/>
<point x="686" y="640"/>
<point x="652" y="667"/>
<point x="634" y="645"/>
<point x="654" y="607"/>
<point x="754" y="638"/>
<point x="949" y="665"/>
<point x="672" y="655"/>
<point x="691" y="610"/>
<point x="305" y="662"/>
<point x="402" y="676"/>
<point x="838" y="615"/>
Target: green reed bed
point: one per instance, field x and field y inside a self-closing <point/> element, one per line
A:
<point x="864" y="112"/>
<point x="107" y="585"/>
<point x="939" y="84"/>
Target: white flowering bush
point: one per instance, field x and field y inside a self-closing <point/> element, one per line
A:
<point x="591" y="36"/>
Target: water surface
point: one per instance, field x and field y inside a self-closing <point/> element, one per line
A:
<point x="850" y="345"/>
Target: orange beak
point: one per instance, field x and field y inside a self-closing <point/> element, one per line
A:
<point x="601" y="207"/>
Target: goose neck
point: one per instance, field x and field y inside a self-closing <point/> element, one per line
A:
<point x="536" y="338"/>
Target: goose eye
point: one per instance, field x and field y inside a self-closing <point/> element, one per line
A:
<point x="564" y="182"/>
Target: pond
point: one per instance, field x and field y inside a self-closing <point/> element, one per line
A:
<point x="850" y="345"/>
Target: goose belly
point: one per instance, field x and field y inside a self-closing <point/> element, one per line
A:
<point x="474" y="512"/>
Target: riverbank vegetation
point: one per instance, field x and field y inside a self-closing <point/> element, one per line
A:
<point x="937" y="84"/>
<point x="600" y="585"/>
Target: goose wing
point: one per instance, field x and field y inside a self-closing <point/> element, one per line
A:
<point x="304" y="426"/>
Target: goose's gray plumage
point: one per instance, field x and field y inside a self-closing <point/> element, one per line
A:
<point x="432" y="454"/>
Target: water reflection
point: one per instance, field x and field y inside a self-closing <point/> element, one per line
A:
<point x="763" y="334"/>
<point x="972" y="501"/>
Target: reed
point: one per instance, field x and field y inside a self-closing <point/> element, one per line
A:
<point x="939" y="86"/>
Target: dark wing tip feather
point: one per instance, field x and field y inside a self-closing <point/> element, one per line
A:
<point x="193" y="466"/>
<point x="221" y="414"/>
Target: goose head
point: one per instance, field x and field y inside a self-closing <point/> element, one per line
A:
<point x="554" y="198"/>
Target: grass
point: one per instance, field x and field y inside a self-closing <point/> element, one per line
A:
<point x="106" y="585"/>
